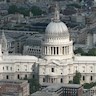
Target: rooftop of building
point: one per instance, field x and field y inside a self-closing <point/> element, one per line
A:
<point x="52" y="89"/>
<point x="40" y="93"/>
<point x="84" y="59"/>
<point x="3" y="81"/>
<point x="22" y="58"/>
<point x="56" y="86"/>
<point x="34" y="40"/>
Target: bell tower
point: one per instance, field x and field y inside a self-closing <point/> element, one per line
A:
<point x="4" y="44"/>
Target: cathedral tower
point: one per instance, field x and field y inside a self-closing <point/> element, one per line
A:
<point x="4" y="44"/>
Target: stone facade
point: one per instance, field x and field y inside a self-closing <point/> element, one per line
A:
<point x="58" y="64"/>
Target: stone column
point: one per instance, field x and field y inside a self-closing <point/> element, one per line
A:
<point x="52" y="50"/>
<point x="45" y="50"/>
<point x="69" y="49"/>
<point x="55" y="50"/>
<point x="49" y="48"/>
<point x="59" y="50"/>
<point x="64" y="50"/>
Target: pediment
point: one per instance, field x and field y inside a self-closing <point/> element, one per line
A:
<point x="53" y="63"/>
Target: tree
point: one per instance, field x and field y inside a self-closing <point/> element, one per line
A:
<point x="12" y="9"/>
<point x="23" y="11"/>
<point x="92" y="52"/>
<point x="77" y="78"/>
<point x="8" y="1"/>
<point x="88" y="85"/>
<point x="34" y="84"/>
<point x="76" y="5"/>
<point x="36" y="10"/>
<point x="79" y="50"/>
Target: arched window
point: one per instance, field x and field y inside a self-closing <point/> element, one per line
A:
<point x="91" y="78"/>
<point x="51" y="50"/>
<point x="52" y="69"/>
<point x="43" y="79"/>
<point x="83" y="78"/>
<point x="3" y="68"/>
<point x="57" y="50"/>
<point x="18" y="76"/>
<point x="7" y="77"/>
<point x="25" y="76"/>
<point x="63" y="50"/>
<point x="61" y="80"/>
<point x="51" y="80"/>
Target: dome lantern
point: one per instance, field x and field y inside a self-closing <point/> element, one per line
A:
<point x="56" y="14"/>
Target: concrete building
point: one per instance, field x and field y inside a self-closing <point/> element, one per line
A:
<point x="60" y="90"/>
<point x="33" y="45"/>
<point x="91" y="38"/>
<point x="90" y="92"/>
<point x="14" y="88"/>
<point x="42" y="93"/>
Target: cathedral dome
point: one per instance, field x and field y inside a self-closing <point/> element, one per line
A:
<point x="57" y="29"/>
<point x="56" y="43"/>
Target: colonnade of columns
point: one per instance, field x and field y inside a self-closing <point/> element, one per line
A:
<point x="48" y="50"/>
<point x="53" y="80"/>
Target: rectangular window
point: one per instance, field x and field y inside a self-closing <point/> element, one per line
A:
<point x="52" y="70"/>
<point x="43" y="79"/>
<point x="11" y="68"/>
<point x="6" y="67"/>
<point x="57" y="50"/>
